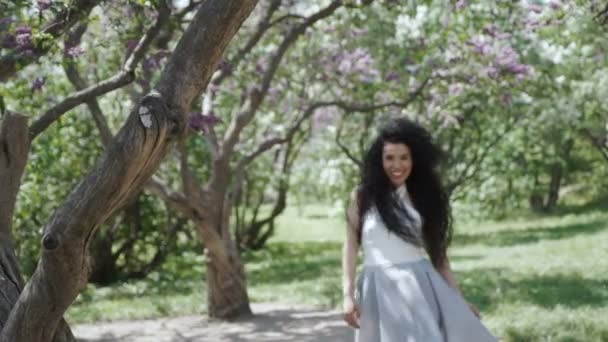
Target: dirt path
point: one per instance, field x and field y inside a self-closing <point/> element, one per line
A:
<point x="272" y="322"/>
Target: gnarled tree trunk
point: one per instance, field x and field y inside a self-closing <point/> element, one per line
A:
<point x="14" y="150"/>
<point x="226" y="284"/>
<point x="128" y="162"/>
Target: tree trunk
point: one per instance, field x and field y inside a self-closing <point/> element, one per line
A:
<point x="14" y="150"/>
<point x="128" y="162"/>
<point x="226" y="285"/>
<point x="557" y="175"/>
<point x="554" y="186"/>
<point x="103" y="263"/>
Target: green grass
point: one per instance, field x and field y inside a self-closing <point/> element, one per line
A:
<point x="534" y="279"/>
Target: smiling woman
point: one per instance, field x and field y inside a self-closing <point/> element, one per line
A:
<point x="400" y="216"/>
<point x="397" y="162"/>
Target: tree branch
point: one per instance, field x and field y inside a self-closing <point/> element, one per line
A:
<point x="261" y="29"/>
<point x="122" y="78"/>
<point x="345" y="149"/>
<point x="73" y="75"/>
<point x="257" y="95"/>
<point x="19" y="58"/>
<point x="595" y="141"/>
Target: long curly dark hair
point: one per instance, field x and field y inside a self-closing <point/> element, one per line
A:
<point x="423" y="184"/>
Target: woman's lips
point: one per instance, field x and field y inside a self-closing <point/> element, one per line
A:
<point x="397" y="174"/>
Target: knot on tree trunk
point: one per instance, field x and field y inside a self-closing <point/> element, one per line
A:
<point x="151" y="109"/>
<point x="50" y="242"/>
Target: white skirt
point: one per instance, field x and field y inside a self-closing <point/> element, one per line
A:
<point x="411" y="302"/>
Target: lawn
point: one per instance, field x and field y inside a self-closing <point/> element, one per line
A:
<point x="534" y="278"/>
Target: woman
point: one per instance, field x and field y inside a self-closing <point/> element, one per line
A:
<point x="400" y="216"/>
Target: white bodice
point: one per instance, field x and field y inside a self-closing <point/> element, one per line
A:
<point x="383" y="247"/>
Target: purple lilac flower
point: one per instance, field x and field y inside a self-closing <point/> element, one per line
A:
<point x="391" y="76"/>
<point x="518" y="68"/>
<point x="357" y="32"/>
<point x="535" y="8"/>
<point x="261" y="65"/>
<point x="27" y="53"/>
<point x="492" y="72"/>
<point x="9" y="41"/>
<point x="358" y="62"/>
<point x="38" y="83"/>
<point x="507" y="56"/>
<point x="23" y="30"/>
<point x="461" y="4"/>
<point x="201" y="122"/>
<point x="74" y="51"/>
<point x="480" y="45"/>
<point x="455" y="89"/>
<point x="131" y="44"/>
<point x="150" y="64"/>
<point x="23" y="35"/>
<point x="225" y="67"/>
<point x="507" y="99"/>
<point x="44" y="4"/>
<point x="6" y="21"/>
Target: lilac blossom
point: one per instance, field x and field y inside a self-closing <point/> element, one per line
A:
<point x="461" y="4"/>
<point x="131" y="44"/>
<point x="357" y="62"/>
<point x="507" y="56"/>
<point x="9" y="42"/>
<point x="507" y="99"/>
<point x="391" y="76"/>
<point x="535" y="8"/>
<point x="455" y="89"/>
<point x="202" y="122"/>
<point x="38" y="83"/>
<point x="491" y="72"/>
<point x="480" y="45"/>
<point x="261" y="65"/>
<point x="154" y="60"/>
<point x="225" y="67"/>
<point x="357" y="32"/>
<point x="44" y="4"/>
<point x="6" y="21"/>
<point x="23" y="35"/>
<point x="74" y="51"/>
<point x="555" y="4"/>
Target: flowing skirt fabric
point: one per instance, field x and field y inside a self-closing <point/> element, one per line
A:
<point x="411" y="302"/>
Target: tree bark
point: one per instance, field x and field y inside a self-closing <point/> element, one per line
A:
<point x="226" y="285"/>
<point x="128" y="162"/>
<point x="14" y="150"/>
<point x="557" y="175"/>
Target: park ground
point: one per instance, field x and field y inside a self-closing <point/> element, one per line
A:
<point x="534" y="278"/>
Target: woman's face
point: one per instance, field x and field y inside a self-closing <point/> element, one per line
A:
<point x="397" y="162"/>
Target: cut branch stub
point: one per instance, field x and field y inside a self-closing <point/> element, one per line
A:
<point x="50" y="242"/>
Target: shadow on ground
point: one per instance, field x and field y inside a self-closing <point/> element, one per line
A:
<point x="532" y="235"/>
<point x="271" y="323"/>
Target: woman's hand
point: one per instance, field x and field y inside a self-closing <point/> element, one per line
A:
<point x="474" y="309"/>
<point x="351" y="312"/>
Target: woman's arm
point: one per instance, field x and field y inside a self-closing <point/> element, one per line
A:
<point x="350" y="249"/>
<point x="349" y="265"/>
<point x="446" y="272"/>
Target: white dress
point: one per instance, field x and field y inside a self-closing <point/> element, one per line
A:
<point x="402" y="297"/>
